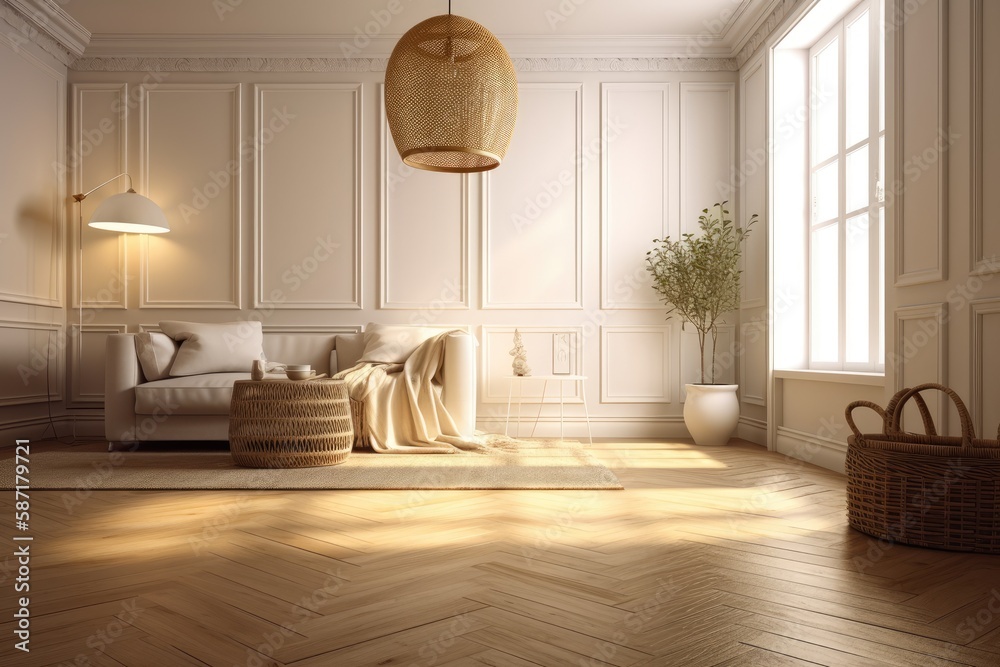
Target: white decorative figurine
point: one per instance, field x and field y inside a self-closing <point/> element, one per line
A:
<point x="520" y="364"/>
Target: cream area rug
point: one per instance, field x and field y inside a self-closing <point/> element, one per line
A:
<point x="520" y="464"/>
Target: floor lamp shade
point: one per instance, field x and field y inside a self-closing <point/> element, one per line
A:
<point x="451" y="96"/>
<point x="129" y="212"/>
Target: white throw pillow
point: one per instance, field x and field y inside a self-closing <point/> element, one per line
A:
<point x="214" y="348"/>
<point x="156" y="352"/>
<point x="350" y="348"/>
<point x="392" y="344"/>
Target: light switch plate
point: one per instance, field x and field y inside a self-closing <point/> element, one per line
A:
<point x="560" y="354"/>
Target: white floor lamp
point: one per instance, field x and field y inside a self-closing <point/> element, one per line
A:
<point x="127" y="212"/>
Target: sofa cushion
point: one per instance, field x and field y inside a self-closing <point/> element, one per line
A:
<point x="156" y="352"/>
<point x="190" y="395"/>
<point x="391" y="344"/>
<point x="214" y="348"/>
<point x="349" y="348"/>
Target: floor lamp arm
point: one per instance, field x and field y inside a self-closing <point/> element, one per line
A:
<point x="81" y="197"/>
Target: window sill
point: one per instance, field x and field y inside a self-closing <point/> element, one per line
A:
<point x="840" y="377"/>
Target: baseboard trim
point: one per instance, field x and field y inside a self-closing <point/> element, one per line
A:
<point x="78" y="427"/>
<point x="752" y="430"/>
<point x="823" y="452"/>
<point x="601" y="427"/>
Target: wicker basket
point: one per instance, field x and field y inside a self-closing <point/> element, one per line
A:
<point x="287" y="424"/>
<point x="925" y="489"/>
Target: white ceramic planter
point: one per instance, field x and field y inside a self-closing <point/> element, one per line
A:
<point x="711" y="412"/>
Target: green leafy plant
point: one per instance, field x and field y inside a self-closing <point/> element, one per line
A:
<point x="698" y="276"/>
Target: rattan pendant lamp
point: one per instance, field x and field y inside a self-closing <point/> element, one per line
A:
<point x="451" y="96"/>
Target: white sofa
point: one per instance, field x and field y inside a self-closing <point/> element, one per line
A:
<point x="196" y="407"/>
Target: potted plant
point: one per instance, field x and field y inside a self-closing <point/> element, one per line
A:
<point x="698" y="277"/>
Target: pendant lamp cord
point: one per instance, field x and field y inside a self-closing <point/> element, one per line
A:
<point x="449" y="7"/>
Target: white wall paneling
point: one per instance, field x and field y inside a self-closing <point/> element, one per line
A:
<point x="191" y="161"/>
<point x="984" y="356"/>
<point x="87" y="361"/>
<point x="708" y="149"/>
<point x="750" y="179"/>
<point x="423" y="235"/>
<point x="27" y="350"/>
<point x="496" y="343"/>
<point x="985" y="131"/>
<point x="636" y="364"/>
<point x="639" y="183"/>
<point x="98" y="151"/>
<point x="309" y="329"/>
<point x="725" y="359"/>
<point x="921" y="349"/>
<point x="753" y="362"/>
<point x="921" y="193"/>
<point x="533" y="207"/>
<point x="303" y="329"/>
<point x="32" y="192"/>
<point x="308" y="179"/>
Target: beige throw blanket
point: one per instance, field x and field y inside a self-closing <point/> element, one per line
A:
<point x="403" y="407"/>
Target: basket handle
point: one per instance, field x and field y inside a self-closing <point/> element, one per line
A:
<point x="925" y="414"/>
<point x="968" y="431"/>
<point x="871" y="406"/>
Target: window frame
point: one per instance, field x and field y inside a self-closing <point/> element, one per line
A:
<point x="874" y="139"/>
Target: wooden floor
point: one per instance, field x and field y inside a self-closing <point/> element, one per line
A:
<point x="723" y="556"/>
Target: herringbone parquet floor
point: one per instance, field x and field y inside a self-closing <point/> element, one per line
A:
<point x="727" y="556"/>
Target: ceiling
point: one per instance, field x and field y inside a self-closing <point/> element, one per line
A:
<point x="719" y="26"/>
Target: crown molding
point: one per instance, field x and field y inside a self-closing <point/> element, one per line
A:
<point x="281" y="64"/>
<point x="782" y="8"/>
<point x="363" y="46"/>
<point x="748" y="19"/>
<point x="47" y="25"/>
<point x="353" y="53"/>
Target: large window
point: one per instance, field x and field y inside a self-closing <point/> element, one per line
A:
<point x="846" y="322"/>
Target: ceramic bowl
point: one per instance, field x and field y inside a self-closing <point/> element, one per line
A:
<point x="299" y="374"/>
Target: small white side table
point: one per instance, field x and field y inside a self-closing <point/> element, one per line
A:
<point x="560" y="379"/>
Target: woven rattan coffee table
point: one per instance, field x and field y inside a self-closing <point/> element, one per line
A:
<point x="290" y="424"/>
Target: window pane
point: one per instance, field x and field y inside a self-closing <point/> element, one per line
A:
<point x="856" y="80"/>
<point x="880" y="186"/>
<point x="881" y="76"/>
<point x="857" y="179"/>
<point x="856" y="269"/>
<point x="825" y="102"/>
<point x="825" y="194"/>
<point x="881" y="286"/>
<point x="824" y="320"/>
